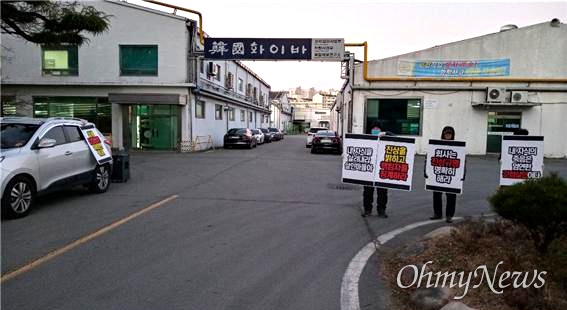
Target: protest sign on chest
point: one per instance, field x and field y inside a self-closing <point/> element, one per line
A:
<point x="395" y="162"/>
<point x="445" y="166"/>
<point x="521" y="159"/>
<point x="359" y="159"/>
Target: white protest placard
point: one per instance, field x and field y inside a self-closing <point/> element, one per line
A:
<point x="359" y="159"/>
<point x="95" y="140"/>
<point x="395" y="162"/>
<point x="445" y="166"/>
<point x="521" y="159"/>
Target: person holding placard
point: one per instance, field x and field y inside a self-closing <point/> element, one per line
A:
<point x="448" y="133"/>
<point x="381" y="193"/>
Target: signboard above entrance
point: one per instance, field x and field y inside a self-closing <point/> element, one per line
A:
<point x="274" y="49"/>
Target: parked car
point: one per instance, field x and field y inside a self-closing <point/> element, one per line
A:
<point x="327" y="140"/>
<point x="258" y="135"/>
<point x="268" y="135"/>
<point x="311" y="133"/>
<point x="277" y="134"/>
<point x="239" y="137"/>
<point x="44" y="155"/>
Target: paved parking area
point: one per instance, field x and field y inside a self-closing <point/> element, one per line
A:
<point x="268" y="228"/>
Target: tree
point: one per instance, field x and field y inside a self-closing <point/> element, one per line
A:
<point x="538" y="204"/>
<point x="51" y="22"/>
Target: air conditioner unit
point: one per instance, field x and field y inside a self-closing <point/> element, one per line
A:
<point x="494" y="94"/>
<point x="519" y="97"/>
<point x="212" y="69"/>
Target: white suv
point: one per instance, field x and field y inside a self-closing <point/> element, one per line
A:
<point x="42" y="155"/>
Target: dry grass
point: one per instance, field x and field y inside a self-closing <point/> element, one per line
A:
<point x="479" y="243"/>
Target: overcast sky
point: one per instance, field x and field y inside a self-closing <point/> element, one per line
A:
<point x="390" y="28"/>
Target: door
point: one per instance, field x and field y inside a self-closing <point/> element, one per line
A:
<point x="153" y="127"/>
<point x="55" y="163"/>
<point x="499" y="124"/>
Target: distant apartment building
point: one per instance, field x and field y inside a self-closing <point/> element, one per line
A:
<point x="142" y="83"/>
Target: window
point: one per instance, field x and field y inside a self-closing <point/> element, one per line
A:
<point x="218" y="75"/>
<point x="8" y="106"/>
<point x="139" y="60"/>
<point x="399" y="116"/>
<point x="96" y="110"/>
<point x="63" y="60"/>
<point x="56" y="134"/>
<point x="199" y="109"/>
<point x="73" y="133"/>
<point x="218" y="111"/>
<point x="248" y="89"/>
<point x="202" y="66"/>
<point x="250" y="116"/>
<point x="255" y="94"/>
<point x="228" y="81"/>
<point x="231" y="114"/>
<point x="240" y="85"/>
<point x="242" y="116"/>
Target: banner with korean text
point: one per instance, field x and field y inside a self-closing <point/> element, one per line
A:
<point x="359" y="159"/>
<point x="95" y="140"/>
<point x="445" y="166"/>
<point x="395" y="162"/>
<point x="521" y="159"/>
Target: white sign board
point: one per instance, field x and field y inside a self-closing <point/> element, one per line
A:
<point x="521" y="159"/>
<point x="395" y="162"/>
<point x="359" y="159"/>
<point x="328" y="49"/>
<point x="95" y="140"/>
<point x="445" y="166"/>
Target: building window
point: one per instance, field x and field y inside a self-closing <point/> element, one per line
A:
<point x="218" y="75"/>
<point x="231" y="114"/>
<point x="248" y="89"/>
<point x="96" y="110"/>
<point x="218" y="111"/>
<point x="255" y="94"/>
<point x="199" y="109"/>
<point x="8" y="106"/>
<point x="63" y="60"/>
<point x="139" y="60"/>
<point x="240" y="85"/>
<point x="202" y="66"/>
<point x="242" y="116"/>
<point x="250" y="116"/>
<point x="399" y="116"/>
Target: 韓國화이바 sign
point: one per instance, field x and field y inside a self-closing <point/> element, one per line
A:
<point x="320" y="49"/>
<point x="395" y="162"/>
<point x="359" y="159"/>
<point x="95" y="140"/>
<point x="521" y="159"/>
<point x="445" y="166"/>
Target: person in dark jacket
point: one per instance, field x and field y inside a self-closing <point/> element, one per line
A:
<point x="381" y="193"/>
<point x="448" y="133"/>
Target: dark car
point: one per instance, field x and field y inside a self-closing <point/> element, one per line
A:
<point x="268" y="135"/>
<point x="327" y="140"/>
<point x="239" y="137"/>
<point x="277" y="134"/>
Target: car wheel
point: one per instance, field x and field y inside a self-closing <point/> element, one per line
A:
<point x="18" y="197"/>
<point x="313" y="151"/>
<point x="250" y="146"/>
<point x="101" y="180"/>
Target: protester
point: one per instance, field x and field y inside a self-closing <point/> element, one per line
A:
<point x="381" y="193"/>
<point x="448" y="133"/>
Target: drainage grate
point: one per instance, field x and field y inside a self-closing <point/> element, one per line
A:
<point x="343" y="187"/>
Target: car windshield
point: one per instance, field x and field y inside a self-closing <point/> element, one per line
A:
<point x="315" y="130"/>
<point x="273" y="129"/>
<point x="264" y="130"/>
<point x="326" y="133"/>
<point x="16" y="135"/>
<point x="237" y="131"/>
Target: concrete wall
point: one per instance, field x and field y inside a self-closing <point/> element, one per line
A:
<point x="99" y="60"/>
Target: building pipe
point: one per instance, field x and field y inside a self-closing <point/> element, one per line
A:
<point x="175" y="7"/>
<point x="438" y="79"/>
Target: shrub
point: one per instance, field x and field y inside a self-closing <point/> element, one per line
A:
<point x="538" y="204"/>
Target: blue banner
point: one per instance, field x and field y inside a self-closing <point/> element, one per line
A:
<point x="247" y="48"/>
<point x="454" y="68"/>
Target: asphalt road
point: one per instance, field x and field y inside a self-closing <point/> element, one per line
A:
<point x="269" y="228"/>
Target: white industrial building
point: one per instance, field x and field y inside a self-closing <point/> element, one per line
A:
<point x="143" y="82"/>
<point x="509" y="79"/>
<point x="282" y="111"/>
